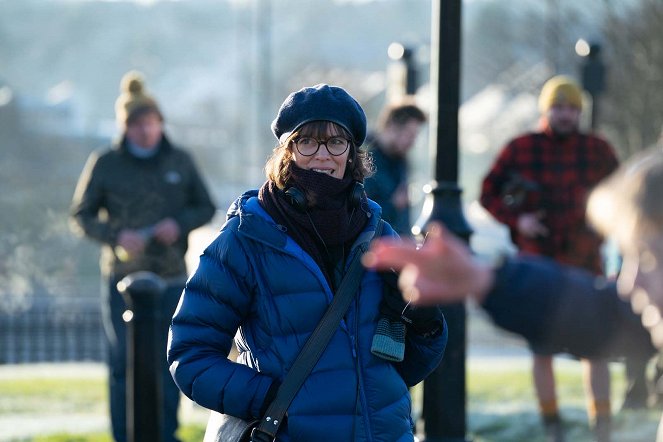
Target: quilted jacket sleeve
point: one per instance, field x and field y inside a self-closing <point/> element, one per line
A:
<point x="215" y="301"/>
<point x="563" y="308"/>
<point x="87" y="201"/>
<point x="422" y="354"/>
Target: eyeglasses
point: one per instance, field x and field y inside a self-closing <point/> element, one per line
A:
<point x="308" y="146"/>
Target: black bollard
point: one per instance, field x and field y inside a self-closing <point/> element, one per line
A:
<point x="142" y="294"/>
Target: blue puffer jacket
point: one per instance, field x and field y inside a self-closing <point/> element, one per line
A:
<point x="254" y="283"/>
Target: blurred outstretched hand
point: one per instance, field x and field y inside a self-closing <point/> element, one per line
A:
<point x="441" y="271"/>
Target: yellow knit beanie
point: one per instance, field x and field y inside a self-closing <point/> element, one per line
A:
<point x="560" y="90"/>
<point x="133" y="98"/>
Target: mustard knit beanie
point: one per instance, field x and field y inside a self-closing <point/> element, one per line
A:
<point x="560" y="90"/>
<point x="133" y="98"/>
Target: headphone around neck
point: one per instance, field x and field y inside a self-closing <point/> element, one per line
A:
<point x="297" y="198"/>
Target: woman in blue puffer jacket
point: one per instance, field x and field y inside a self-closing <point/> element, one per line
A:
<point x="271" y="273"/>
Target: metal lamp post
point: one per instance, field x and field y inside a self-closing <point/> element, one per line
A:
<point x="592" y="74"/>
<point x="402" y="72"/>
<point x="444" y="390"/>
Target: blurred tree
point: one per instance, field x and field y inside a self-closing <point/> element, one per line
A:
<point x="490" y="47"/>
<point x="40" y="256"/>
<point x="633" y="103"/>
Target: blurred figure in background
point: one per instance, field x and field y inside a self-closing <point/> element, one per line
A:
<point x="398" y="126"/>
<point x="538" y="187"/>
<point x="139" y="198"/>
<point x="544" y="301"/>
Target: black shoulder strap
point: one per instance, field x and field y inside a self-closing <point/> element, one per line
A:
<point x="315" y="345"/>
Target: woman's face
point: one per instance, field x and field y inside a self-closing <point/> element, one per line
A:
<point x="564" y="118"/>
<point x="322" y="161"/>
<point x="145" y="130"/>
<point x="400" y="138"/>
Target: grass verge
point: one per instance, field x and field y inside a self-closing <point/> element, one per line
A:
<point x="501" y="405"/>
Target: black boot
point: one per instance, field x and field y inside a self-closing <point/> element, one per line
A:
<point x="637" y="391"/>
<point x="602" y="429"/>
<point x="553" y="428"/>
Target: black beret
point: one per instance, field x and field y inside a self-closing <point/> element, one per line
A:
<point x="321" y="102"/>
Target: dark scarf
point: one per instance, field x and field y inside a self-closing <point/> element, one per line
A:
<point x="330" y="224"/>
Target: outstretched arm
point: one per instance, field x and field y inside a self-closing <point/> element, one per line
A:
<point x="560" y="307"/>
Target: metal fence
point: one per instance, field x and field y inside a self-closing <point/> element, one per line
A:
<point x="69" y="330"/>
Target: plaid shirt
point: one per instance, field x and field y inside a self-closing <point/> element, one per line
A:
<point x="559" y="173"/>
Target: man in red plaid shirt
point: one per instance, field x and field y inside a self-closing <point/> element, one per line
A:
<point x="538" y="187"/>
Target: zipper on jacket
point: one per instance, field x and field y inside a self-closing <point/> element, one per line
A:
<point x="364" y="404"/>
<point x="360" y="377"/>
<point x="354" y="350"/>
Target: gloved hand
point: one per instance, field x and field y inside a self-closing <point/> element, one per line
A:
<point x="422" y="320"/>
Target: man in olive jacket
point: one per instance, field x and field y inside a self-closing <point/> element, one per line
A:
<point x="139" y="198"/>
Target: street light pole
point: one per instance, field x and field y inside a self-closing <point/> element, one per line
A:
<point x="593" y="75"/>
<point x="402" y="72"/>
<point x="444" y="390"/>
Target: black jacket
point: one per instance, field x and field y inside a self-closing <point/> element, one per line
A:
<point x="565" y="310"/>
<point x="117" y="190"/>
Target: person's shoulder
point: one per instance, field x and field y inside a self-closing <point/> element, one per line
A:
<point x="374" y="208"/>
<point x="247" y="202"/>
<point x="233" y="217"/>
<point x="525" y="138"/>
<point x="598" y="140"/>
<point x="388" y="230"/>
<point x="176" y="150"/>
<point x="518" y="143"/>
<point x="105" y="153"/>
